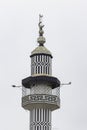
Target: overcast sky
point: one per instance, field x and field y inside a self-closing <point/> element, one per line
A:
<point x="66" y="37"/>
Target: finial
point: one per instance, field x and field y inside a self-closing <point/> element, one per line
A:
<point x="40" y="25"/>
<point x="41" y="39"/>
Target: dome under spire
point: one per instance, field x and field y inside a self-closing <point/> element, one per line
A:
<point x="41" y="50"/>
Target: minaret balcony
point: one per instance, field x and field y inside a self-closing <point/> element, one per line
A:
<point x="36" y="100"/>
<point x="41" y="101"/>
<point x="41" y="92"/>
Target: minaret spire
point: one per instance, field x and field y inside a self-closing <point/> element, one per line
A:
<point x="41" y="40"/>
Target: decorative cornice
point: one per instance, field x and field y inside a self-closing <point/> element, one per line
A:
<point x="33" y="80"/>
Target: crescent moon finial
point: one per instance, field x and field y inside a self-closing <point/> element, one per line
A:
<point x="41" y="40"/>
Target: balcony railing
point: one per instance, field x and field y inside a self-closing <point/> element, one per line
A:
<point x="26" y="91"/>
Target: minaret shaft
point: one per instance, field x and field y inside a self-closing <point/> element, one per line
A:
<point x="40" y="119"/>
<point x="41" y="64"/>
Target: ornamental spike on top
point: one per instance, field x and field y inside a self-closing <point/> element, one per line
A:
<point x="41" y="40"/>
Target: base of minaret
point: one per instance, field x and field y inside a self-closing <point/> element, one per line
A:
<point x="40" y="119"/>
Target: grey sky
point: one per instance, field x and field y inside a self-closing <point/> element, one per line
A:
<point x="66" y="35"/>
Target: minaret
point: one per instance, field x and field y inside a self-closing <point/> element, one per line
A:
<point x="41" y="91"/>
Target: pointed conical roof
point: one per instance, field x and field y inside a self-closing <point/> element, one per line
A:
<point x="41" y="50"/>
